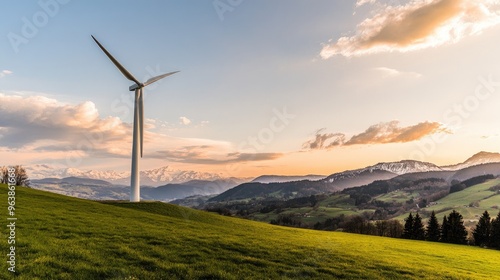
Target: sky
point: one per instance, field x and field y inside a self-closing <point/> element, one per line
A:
<point x="265" y="87"/>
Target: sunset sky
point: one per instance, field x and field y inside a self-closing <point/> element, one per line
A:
<point x="266" y="87"/>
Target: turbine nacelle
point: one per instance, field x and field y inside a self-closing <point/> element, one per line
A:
<point x="135" y="87"/>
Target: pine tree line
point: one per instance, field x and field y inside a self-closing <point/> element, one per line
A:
<point x="487" y="231"/>
<point x="452" y="230"/>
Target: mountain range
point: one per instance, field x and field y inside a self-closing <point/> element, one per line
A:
<point x="388" y="170"/>
<point x="479" y="164"/>
<point x="153" y="177"/>
<point x="166" y="183"/>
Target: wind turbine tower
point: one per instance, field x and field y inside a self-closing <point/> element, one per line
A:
<point x="138" y="131"/>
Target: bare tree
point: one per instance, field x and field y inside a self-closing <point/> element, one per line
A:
<point x="3" y="175"/>
<point x="19" y="174"/>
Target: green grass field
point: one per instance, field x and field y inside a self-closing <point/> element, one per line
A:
<point x="61" y="237"/>
<point x="459" y="201"/>
<point x="332" y="206"/>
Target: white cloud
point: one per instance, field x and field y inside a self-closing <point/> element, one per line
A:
<point x="390" y="72"/>
<point x="184" y="120"/>
<point x="360" y="3"/>
<point x="419" y="24"/>
<point x="5" y="73"/>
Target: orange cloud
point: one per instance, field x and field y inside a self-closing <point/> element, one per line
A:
<point x="417" y="25"/>
<point x="205" y="155"/>
<point x="382" y="133"/>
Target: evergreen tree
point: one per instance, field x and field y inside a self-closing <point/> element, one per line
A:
<point x="445" y="228"/>
<point x="433" y="232"/>
<point x="418" y="228"/>
<point x="495" y="232"/>
<point x="408" y="228"/>
<point x="457" y="233"/>
<point x="482" y="232"/>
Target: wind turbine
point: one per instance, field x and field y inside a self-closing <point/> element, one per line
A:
<point x="138" y="134"/>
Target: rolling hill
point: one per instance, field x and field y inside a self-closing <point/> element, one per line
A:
<point x="470" y="202"/>
<point x="59" y="237"/>
<point x="402" y="170"/>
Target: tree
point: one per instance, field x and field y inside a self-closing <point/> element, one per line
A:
<point x="395" y="229"/>
<point x="433" y="233"/>
<point x="358" y="224"/>
<point x="408" y="227"/>
<point x="21" y="177"/>
<point x="495" y="232"/>
<point x="457" y="233"/>
<point x="482" y="232"/>
<point x="445" y="228"/>
<point x="4" y="175"/>
<point x="418" y="228"/>
<point x="389" y="228"/>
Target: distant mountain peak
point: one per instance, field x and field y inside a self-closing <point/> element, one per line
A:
<point x="477" y="159"/>
<point x="287" y="178"/>
<point x="484" y="155"/>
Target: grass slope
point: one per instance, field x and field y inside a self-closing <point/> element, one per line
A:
<point x="480" y="195"/>
<point x="61" y="237"/>
<point x="332" y="206"/>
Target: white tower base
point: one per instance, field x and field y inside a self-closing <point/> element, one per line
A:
<point x="135" y="188"/>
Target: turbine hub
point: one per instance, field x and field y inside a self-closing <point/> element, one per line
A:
<point x="135" y="86"/>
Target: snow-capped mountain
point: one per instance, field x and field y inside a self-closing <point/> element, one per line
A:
<point x="397" y="168"/>
<point x="154" y="177"/>
<point x="405" y="166"/>
<point x="379" y="171"/>
<point x="168" y="174"/>
<point x="479" y="158"/>
<point x="40" y="171"/>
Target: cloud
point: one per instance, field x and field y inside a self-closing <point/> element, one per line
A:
<point x="382" y="133"/>
<point x="360" y="3"/>
<point x="5" y="73"/>
<point x="205" y="155"/>
<point x="40" y="125"/>
<point x="391" y="132"/>
<point x="419" y="24"/>
<point x="325" y="140"/>
<point x="490" y="136"/>
<point x="389" y="72"/>
<point x="184" y="120"/>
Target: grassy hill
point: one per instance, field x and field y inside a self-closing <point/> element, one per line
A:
<point x="60" y="237"/>
<point x="470" y="202"/>
<point x="396" y="197"/>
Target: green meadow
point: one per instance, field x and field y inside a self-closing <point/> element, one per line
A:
<point x="470" y="202"/>
<point x="59" y="237"/>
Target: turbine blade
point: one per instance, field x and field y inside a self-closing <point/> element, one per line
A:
<point x="141" y="118"/>
<point x="117" y="64"/>
<point x="154" y="79"/>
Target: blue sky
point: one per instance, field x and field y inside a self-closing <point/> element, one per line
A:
<point x="390" y="90"/>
